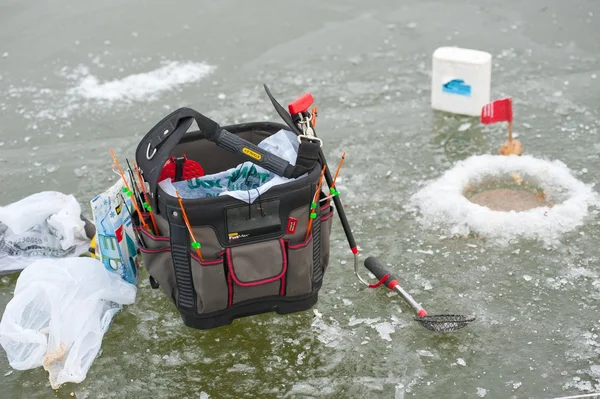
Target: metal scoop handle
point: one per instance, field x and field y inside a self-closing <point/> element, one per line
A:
<point x="379" y="270"/>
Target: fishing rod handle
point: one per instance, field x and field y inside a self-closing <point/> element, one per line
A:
<point x="379" y="270"/>
<point x="340" y="208"/>
<point x="252" y="152"/>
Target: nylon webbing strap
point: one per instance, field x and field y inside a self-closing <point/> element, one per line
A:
<point x="180" y="254"/>
<point x="155" y="148"/>
<point x="308" y="156"/>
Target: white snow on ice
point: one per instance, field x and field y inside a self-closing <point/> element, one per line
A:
<point x="142" y="86"/>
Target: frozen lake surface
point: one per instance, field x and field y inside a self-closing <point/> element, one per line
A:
<point x="77" y="78"/>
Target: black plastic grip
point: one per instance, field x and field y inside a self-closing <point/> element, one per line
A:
<point x="379" y="270"/>
<point x="253" y="153"/>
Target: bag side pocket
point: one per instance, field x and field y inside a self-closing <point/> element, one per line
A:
<point x="156" y="257"/>
<point x="300" y="268"/>
<point x="210" y="283"/>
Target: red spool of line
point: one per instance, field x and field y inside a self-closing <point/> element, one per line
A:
<point x="191" y="170"/>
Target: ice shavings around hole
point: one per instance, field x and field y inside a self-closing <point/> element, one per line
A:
<point x="442" y="205"/>
<point x="142" y="86"/>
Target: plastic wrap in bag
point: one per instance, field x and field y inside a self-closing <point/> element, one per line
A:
<point x="43" y="225"/>
<point x="58" y="316"/>
<point x="245" y="182"/>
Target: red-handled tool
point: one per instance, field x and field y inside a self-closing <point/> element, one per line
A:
<point x="301" y="104"/>
<point x="438" y="323"/>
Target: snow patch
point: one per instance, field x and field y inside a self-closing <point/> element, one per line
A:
<point x="442" y="205"/>
<point x="142" y="86"/>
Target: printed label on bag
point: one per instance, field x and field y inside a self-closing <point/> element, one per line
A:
<point x="291" y="226"/>
<point x="251" y="153"/>
<point x="237" y="236"/>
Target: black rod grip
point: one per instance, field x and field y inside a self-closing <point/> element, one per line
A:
<point x="253" y="153"/>
<point x="339" y="206"/>
<point x="379" y="270"/>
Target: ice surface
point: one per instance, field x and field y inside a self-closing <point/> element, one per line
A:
<point x="442" y="205"/>
<point x="328" y="333"/>
<point x="425" y="353"/>
<point x="464" y="126"/>
<point x="385" y="329"/>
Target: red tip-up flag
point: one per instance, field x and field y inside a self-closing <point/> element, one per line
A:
<point x="497" y="111"/>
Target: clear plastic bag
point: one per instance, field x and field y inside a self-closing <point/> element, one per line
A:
<point x="59" y="314"/>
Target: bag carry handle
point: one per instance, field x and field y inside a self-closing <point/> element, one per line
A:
<point x="156" y="146"/>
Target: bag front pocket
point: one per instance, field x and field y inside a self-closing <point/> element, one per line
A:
<point x="256" y="270"/>
<point x="210" y="283"/>
<point x="300" y="267"/>
<point x="156" y="257"/>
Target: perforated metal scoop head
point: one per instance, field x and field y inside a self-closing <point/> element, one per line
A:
<point x="444" y="322"/>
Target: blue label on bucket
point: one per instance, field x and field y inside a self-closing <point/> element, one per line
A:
<point x="457" y="86"/>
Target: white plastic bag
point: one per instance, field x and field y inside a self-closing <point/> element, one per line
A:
<point x="246" y="181"/>
<point x="22" y="215"/>
<point x="58" y="316"/>
<point x="43" y="225"/>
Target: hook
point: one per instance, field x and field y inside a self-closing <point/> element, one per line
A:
<point x="148" y="155"/>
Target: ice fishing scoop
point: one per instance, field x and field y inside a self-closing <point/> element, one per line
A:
<point x="437" y="323"/>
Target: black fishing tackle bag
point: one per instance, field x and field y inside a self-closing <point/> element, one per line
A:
<point x="255" y="256"/>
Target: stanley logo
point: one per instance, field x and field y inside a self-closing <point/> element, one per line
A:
<point x="251" y="153"/>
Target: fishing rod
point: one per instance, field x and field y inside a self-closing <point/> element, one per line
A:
<point x="314" y="205"/>
<point x="147" y="200"/>
<point x="128" y="191"/>
<point x="332" y="189"/>
<point x="195" y="244"/>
